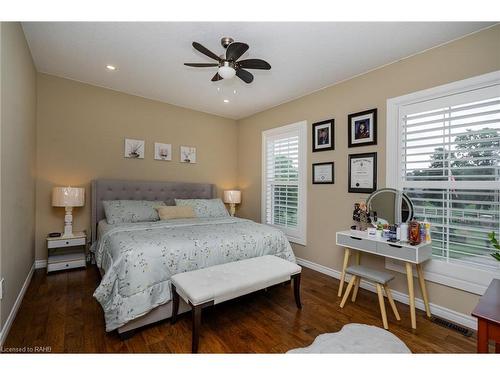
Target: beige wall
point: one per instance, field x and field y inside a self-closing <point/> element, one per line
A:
<point x="80" y="137"/>
<point x="18" y="144"/>
<point x="330" y="206"/>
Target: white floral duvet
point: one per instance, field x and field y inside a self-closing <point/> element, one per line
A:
<point x="139" y="258"/>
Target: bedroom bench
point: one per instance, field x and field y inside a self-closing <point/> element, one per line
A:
<point x="212" y="285"/>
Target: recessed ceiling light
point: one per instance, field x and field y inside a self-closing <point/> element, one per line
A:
<point x="111" y="67"/>
<point x="226" y="100"/>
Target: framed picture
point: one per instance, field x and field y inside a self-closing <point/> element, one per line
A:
<point x="323" y="135"/>
<point x="362" y="128"/>
<point x="188" y="154"/>
<point x="134" y="148"/>
<point x="362" y="173"/>
<point x="163" y="151"/>
<point x="323" y="173"/>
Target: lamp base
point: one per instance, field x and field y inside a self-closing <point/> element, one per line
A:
<point x="68" y="223"/>
<point x="232" y="209"/>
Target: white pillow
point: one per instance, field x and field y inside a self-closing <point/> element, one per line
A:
<point x="205" y="207"/>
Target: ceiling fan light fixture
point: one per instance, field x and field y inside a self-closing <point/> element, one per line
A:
<point x="226" y="71"/>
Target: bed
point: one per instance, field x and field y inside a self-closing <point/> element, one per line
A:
<point x="136" y="260"/>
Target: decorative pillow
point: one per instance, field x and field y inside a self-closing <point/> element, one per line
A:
<point x="205" y="207"/>
<point x="128" y="211"/>
<point x="175" y="212"/>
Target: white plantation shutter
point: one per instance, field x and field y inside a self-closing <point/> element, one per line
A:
<point x="283" y="180"/>
<point x="449" y="165"/>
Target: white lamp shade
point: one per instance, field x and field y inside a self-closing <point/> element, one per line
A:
<point x="232" y="196"/>
<point x="68" y="197"/>
<point x="226" y="71"/>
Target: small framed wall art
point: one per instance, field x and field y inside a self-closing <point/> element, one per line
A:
<point x="323" y="173"/>
<point x="134" y="148"/>
<point x="362" y="128"/>
<point x="188" y="154"/>
<point x="362" y="173"/>
<point x="323" y="135"/>
<point x="163" y="151"/>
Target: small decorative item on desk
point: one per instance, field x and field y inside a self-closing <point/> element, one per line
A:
<point x="232" y="197"/>
<point x="414" y="233"/>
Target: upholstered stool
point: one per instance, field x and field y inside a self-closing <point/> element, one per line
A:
<point x="380" y="279"/>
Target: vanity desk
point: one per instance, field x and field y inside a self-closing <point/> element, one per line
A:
<point x="360" y="242"/>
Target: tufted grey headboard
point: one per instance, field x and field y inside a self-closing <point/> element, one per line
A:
<point x="143" y="190"/>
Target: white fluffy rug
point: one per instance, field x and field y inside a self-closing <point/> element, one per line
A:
<point x="356" y="338"/>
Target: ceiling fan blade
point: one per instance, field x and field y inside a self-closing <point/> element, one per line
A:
<point x="254" y="64"/>
<point x="217" y="77"/>
<point x="201" y="65"/>
<point x="235" y="50"/>
<point x="245" y="76"/>
<point x="205" y="51"/>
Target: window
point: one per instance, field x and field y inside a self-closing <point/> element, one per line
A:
<point x="284" y="153"/>
<point x="448" y="162"/>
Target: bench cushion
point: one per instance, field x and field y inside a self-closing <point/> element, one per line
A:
<point x="370" y="274"/>
<point x="230" y="280"/>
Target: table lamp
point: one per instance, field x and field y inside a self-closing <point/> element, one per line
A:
<point x="233" y="197"/>
<point x="68" y="197"/>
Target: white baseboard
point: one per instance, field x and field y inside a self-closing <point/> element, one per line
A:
<point x="443" y="312"/>
<point x="13" y="312"/>
<point x="40" y="263"/>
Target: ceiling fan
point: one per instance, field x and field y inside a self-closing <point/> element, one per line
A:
<point x="229" y="66"/>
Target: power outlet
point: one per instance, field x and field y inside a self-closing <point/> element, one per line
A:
<point x="1" y="288"/>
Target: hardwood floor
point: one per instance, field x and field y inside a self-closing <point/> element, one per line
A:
<point x="59" y="312"/>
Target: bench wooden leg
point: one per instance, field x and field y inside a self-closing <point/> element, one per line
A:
<point x="382" y="306"/>
<point x="196" y="315"/>
<point x="175" y="304"/>
<point x="296" y="289"/>
<point x="348" y="290"/>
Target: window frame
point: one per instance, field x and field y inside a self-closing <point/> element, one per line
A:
<point x="456" y="275"/>
<point x="298" y="236"/>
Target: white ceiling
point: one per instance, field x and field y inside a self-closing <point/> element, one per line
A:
<point x="304" y="57"/>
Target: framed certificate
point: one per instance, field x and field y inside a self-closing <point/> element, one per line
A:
<point x="362" y="173"/>
<point x="323" y="173"/>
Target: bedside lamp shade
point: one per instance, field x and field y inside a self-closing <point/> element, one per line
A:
<point x="68" y="197"/>
<point x="233" y="197"/>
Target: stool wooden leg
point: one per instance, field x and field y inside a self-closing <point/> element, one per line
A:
<point x="391" y="302"/>
<point x="358" y="280"/>
<point x="356" y="287"/>
<point x="348" y="290"/>
<point x="347" y="253"/>
<point x="296" y="289"/>
<point x="175" y="304"/>
<point x="382" y="305"/>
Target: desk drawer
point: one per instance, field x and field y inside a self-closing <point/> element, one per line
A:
<point x="356" y="242"/>
<point x="397" y="251"/>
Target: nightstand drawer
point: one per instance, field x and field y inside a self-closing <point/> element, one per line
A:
<point x="65" y="242"/>
<point x="66" y="261"/>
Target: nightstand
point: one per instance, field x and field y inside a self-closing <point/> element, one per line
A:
<point x="66" y="252"/>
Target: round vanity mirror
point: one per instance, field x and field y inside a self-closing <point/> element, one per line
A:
<point x="389" y="206"/>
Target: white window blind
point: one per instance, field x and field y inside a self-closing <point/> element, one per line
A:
<point x="449" y="165"/>
<point x="283" y="180"/>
